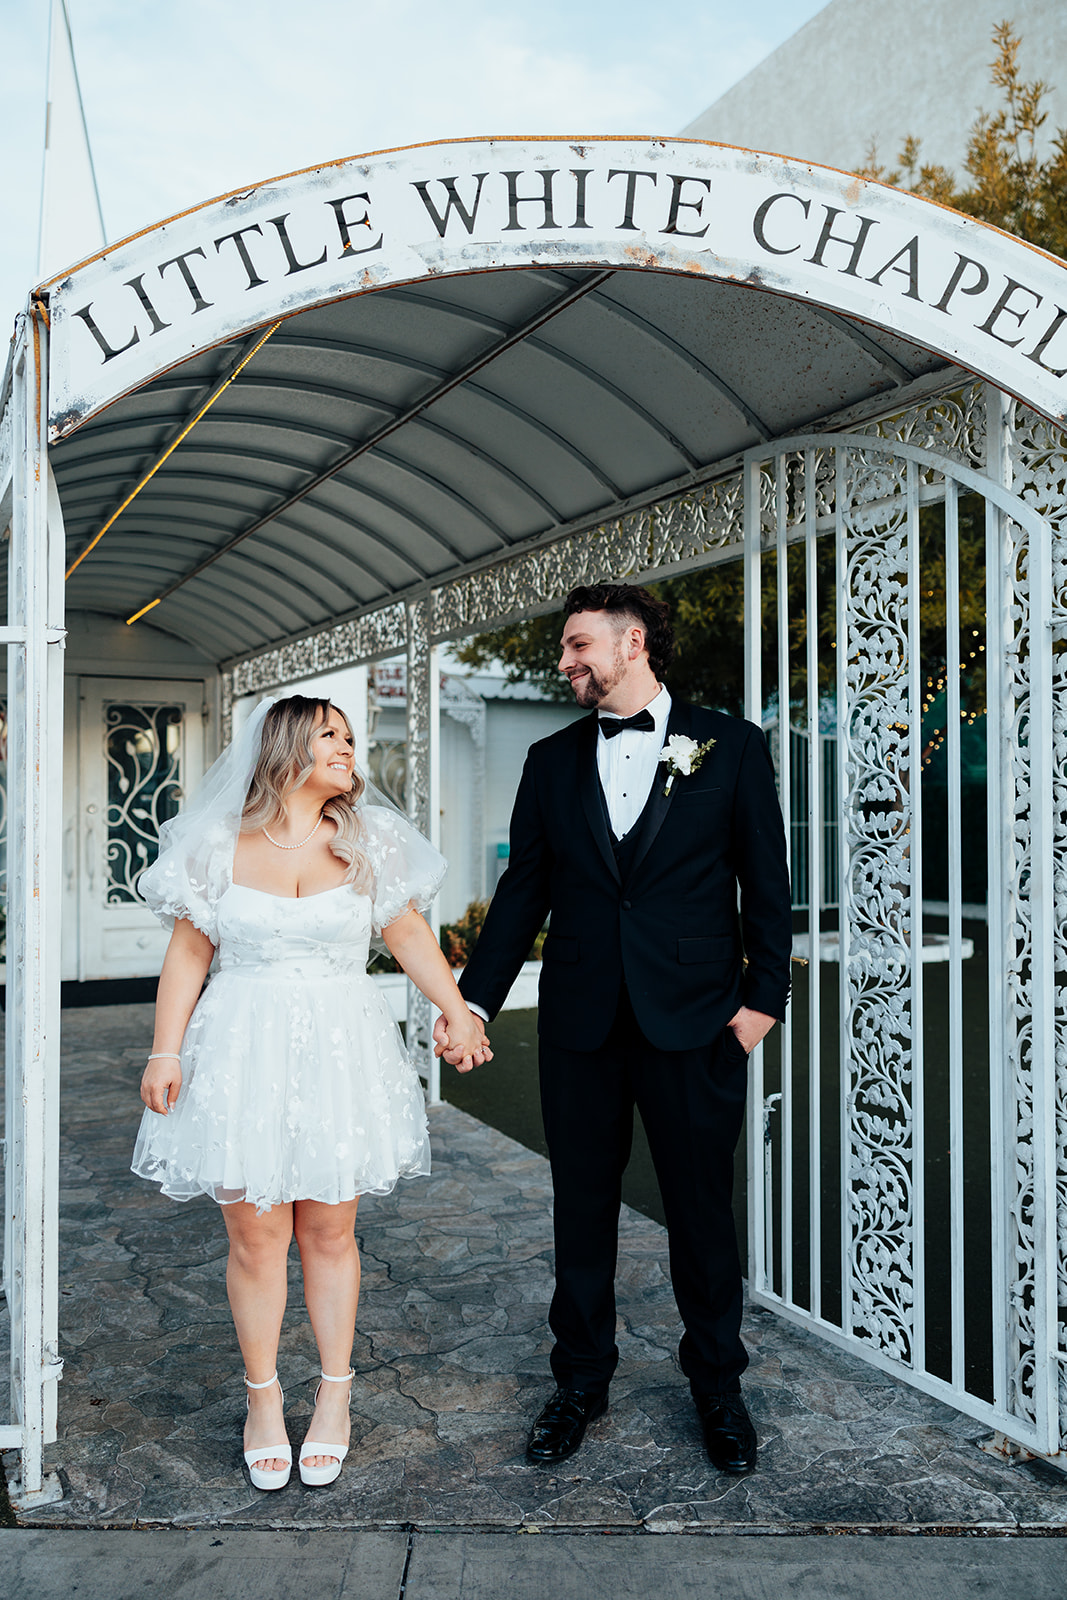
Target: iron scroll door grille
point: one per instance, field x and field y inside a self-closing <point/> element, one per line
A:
<point x="143" y="759"/>
<point x="907" y="1126"/>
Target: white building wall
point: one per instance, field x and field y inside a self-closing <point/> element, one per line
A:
<point x="863" y="70"/>
<point x="513" y="726"/>
<point x="458" y="773"/>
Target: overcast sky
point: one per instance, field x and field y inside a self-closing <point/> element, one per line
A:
<point x="187" y="100"/>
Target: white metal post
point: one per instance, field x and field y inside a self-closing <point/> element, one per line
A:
<point x="815" y="871"/>
<point x="423" y="805"/>
<point x="759" y="1264"/>
<point x="32" y="1042"/>
<point x="955" y="928"/>
<point x="9" y="447"/>
<point x="1000" y="809"/>
<point x="433" y="831"/>
<point x="915" y="918"/>
<point x="785" y="787"/>
<point x="1043" y="980"/>
<point x="844" y="880"/>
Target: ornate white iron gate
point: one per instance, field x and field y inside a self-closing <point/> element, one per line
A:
<point x="907" y="1186"/>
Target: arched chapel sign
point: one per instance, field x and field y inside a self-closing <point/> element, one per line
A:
<point x="980" y="297"/>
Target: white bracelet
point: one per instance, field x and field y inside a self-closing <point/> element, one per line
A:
<point x="165" y="1055"/>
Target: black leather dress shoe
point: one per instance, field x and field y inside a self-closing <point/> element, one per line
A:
<point x="729" y="1437"/>
<point x="560" y="1428"/>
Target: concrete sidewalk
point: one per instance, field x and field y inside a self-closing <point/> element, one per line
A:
<point x="451" y="1362"/>
<point x="480" y="1566"/>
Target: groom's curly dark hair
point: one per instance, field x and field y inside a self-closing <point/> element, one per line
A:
<point x="630" y="603"/>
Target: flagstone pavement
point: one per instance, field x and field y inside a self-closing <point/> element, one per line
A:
<point x="451" y="1361"/>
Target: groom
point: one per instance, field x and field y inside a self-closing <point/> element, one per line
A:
<point x="666" y="961"/>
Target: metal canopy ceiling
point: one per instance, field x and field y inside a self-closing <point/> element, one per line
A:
<point x="400" y="437"/>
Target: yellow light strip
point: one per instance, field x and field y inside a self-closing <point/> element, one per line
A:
<point x="154" y="468"/>
<point x="138" y="614"/>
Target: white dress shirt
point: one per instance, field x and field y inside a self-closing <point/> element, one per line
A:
<point x="628" y="764"/>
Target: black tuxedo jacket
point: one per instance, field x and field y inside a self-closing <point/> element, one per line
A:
<point x="671" y="929"/>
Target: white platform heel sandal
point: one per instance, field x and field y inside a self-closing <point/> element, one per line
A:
<point x="318" y="1477"/>
<point x="274" y="1478"/>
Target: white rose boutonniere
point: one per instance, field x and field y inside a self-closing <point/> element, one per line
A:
<point x="682" y="756"/>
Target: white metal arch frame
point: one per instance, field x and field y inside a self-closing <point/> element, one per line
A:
<point x="906" y="289"/>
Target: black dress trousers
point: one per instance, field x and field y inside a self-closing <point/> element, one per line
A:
<point x="691" y="1103"/>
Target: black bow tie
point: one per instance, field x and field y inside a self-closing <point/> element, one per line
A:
<point x="643" y="722"/>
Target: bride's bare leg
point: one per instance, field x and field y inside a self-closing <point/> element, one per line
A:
<point x="256" y="1285"/>
<point x="325" y="1236"/>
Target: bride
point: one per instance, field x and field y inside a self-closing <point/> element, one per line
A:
<point x="283" y="1090"/>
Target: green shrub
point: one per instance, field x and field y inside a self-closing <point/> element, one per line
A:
<point x="459" y="938"/>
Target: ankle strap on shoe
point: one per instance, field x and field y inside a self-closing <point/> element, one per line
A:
<point x="250" y="1385"/>
<point x="326" y="1377"/>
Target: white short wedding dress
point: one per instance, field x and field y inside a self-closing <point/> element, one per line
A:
<point x="295" y="1081"/>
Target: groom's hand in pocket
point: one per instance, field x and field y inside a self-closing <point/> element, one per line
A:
<point x="750" y="1027"/>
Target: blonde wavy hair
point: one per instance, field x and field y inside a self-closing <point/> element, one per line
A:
<point x="286" y="762"/>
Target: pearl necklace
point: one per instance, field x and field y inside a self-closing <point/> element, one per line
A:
<point x="299" y="846"/>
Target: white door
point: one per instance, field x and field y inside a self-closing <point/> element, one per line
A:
<point x="140" y="750"/>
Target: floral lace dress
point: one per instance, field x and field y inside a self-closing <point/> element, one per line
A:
<point x="295" y="1081"/>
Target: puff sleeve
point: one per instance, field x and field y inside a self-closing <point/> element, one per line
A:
<point x="189" y="885"/>
<point x="408" y="871"/>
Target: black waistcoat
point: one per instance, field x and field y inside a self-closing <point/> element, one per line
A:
<point x="626" y="848"/>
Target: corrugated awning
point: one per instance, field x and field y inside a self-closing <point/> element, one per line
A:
<point x="345" y="464"/>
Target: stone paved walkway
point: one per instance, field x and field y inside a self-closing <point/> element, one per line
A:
<point x="451" y="1360"/>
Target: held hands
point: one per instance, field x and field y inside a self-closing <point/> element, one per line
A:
<point x="750" y="1027"/>
<point x="461" y="1040"/>
<point x="160" y="1083"/>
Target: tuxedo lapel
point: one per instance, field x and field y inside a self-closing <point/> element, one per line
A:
<point x="655" y="812"/>
<point x="592" y="797"/>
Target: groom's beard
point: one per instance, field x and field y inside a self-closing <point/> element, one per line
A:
<point x="590" y="688"/>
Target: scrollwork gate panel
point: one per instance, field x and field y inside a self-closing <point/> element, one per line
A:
<point x="911" y="1256"/>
